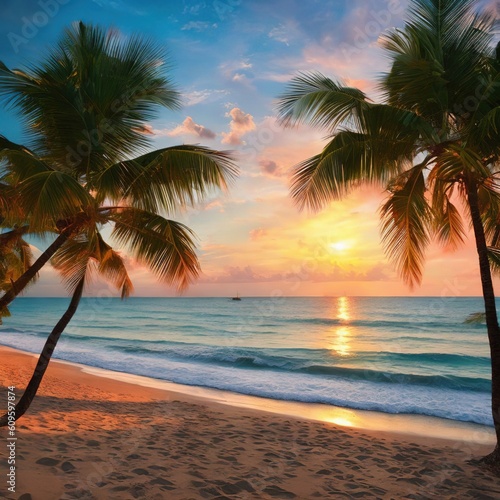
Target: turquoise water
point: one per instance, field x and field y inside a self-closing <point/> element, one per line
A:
<point x="395" y="355"/>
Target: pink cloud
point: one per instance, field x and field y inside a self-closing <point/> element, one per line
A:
<point x="270" y="168"/>
<point x="257" y="234"/>
<point x="247" y="274"/>
<point x="240" y="124"/>
<point x="189" y="127"/>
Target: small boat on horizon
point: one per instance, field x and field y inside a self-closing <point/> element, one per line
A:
<point x="237" y="297"/>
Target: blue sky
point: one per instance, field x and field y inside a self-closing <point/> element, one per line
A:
<point x="231" y="59"/>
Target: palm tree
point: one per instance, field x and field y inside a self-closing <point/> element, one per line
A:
<point x="432" y="142"/>
<point x="85" y="109"/>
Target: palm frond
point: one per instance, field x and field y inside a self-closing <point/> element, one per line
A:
<point x="11" y="212"/>
<point x="18" y="162"/>
<point x="74" y="261"/>
<point x="318" y="100"/>
<point x="456" y="160"/>
<point x="489" y="204"/>
<point x="168" y="178"/>
<point x="353" y="158"/>
<point x="50" y="196"/>
<point x="483" y="134"/>
<point x="406" y="218"/>
<point x="112" y="268"/>
<point x="85" y="104"/>
<point x="494" y="258"/>
<point x="448" y="223"/>
<point x="164" y="245"/>
<point x="437" y="58"/>
<point x="15" y="256"/>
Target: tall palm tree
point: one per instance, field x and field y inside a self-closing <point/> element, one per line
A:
<point x="85" y="109"/>
<point x="432" y="142"/>
<point x="88" y="167"/>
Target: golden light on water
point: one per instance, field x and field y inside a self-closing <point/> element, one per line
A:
<point x="341" y="342"/>
<point x="340" y="337"/>
<point x="343" y="308"/>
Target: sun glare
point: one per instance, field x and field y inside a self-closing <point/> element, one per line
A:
<point x="340" y="246"/>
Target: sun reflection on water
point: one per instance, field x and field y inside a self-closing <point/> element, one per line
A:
<point x="341" y="338"/>
<point x="343" y="308"/>
<point x="341" y="342"/>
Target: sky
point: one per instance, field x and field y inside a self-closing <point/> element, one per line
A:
<point x="231" y="59"/>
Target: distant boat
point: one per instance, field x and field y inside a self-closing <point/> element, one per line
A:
<point x="237" y="297"/>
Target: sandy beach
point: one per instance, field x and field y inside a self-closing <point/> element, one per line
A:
<point x="90" y="437"/>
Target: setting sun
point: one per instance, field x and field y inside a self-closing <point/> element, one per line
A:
<point x="340" y="246"/>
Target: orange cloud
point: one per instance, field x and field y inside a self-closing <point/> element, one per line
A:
<point x="257" y="234"/>
<point x="240" y="124"/>
<point x="189" y="127"/>
<point x="271" y="168"/>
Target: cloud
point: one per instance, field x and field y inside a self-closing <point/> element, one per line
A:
<point x="237" y="71"/>
<point x="237" y="274"/>
<point x="197" y="96"/>
<point x="240" y="78"/>
<point x="195" y="9"/>
<point x="257" y="234"/>
<point x="118" y="5"/>
<point x="285" y="33"/>
<point x="240" y="124"/>
<point x="214" y="204"/>
<point x="198" y="26"/>
<point x="279" y="33"/>
<point x="189" y="127"/>
<point x="270" y="168"/>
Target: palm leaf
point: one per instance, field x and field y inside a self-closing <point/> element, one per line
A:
<point x="87" y="102"/>
<point x="112" y="268"/>
<point x="406" y="218"/>
<point x="437" y="58"/>
<point x="353" y="158"/>
<point x="448" y="223"/>
<point x="320" y="101"/>
<point x="19" y="162"/>
<point x="164" y="245"/>
<point x="168" y="178"/>
<point x="74" y="261"/>
<point x="88" y="255"/>
<point x="50" y="196"/>
<point x="15" y="256"/>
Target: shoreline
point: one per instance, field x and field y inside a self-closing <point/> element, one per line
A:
<point x="93" y="437"/>
<point x="410" y="425"/>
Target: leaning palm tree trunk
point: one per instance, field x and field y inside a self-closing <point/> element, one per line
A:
<point x="491" y="313"/>
<point x="44" y="359"/>
<point x="22" y="282"/>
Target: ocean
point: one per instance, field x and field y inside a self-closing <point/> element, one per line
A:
<point x="393" y="355"/>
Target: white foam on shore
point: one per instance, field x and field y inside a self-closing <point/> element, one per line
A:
<point x="411" y="425"/>
<point x="415" y="425"/>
